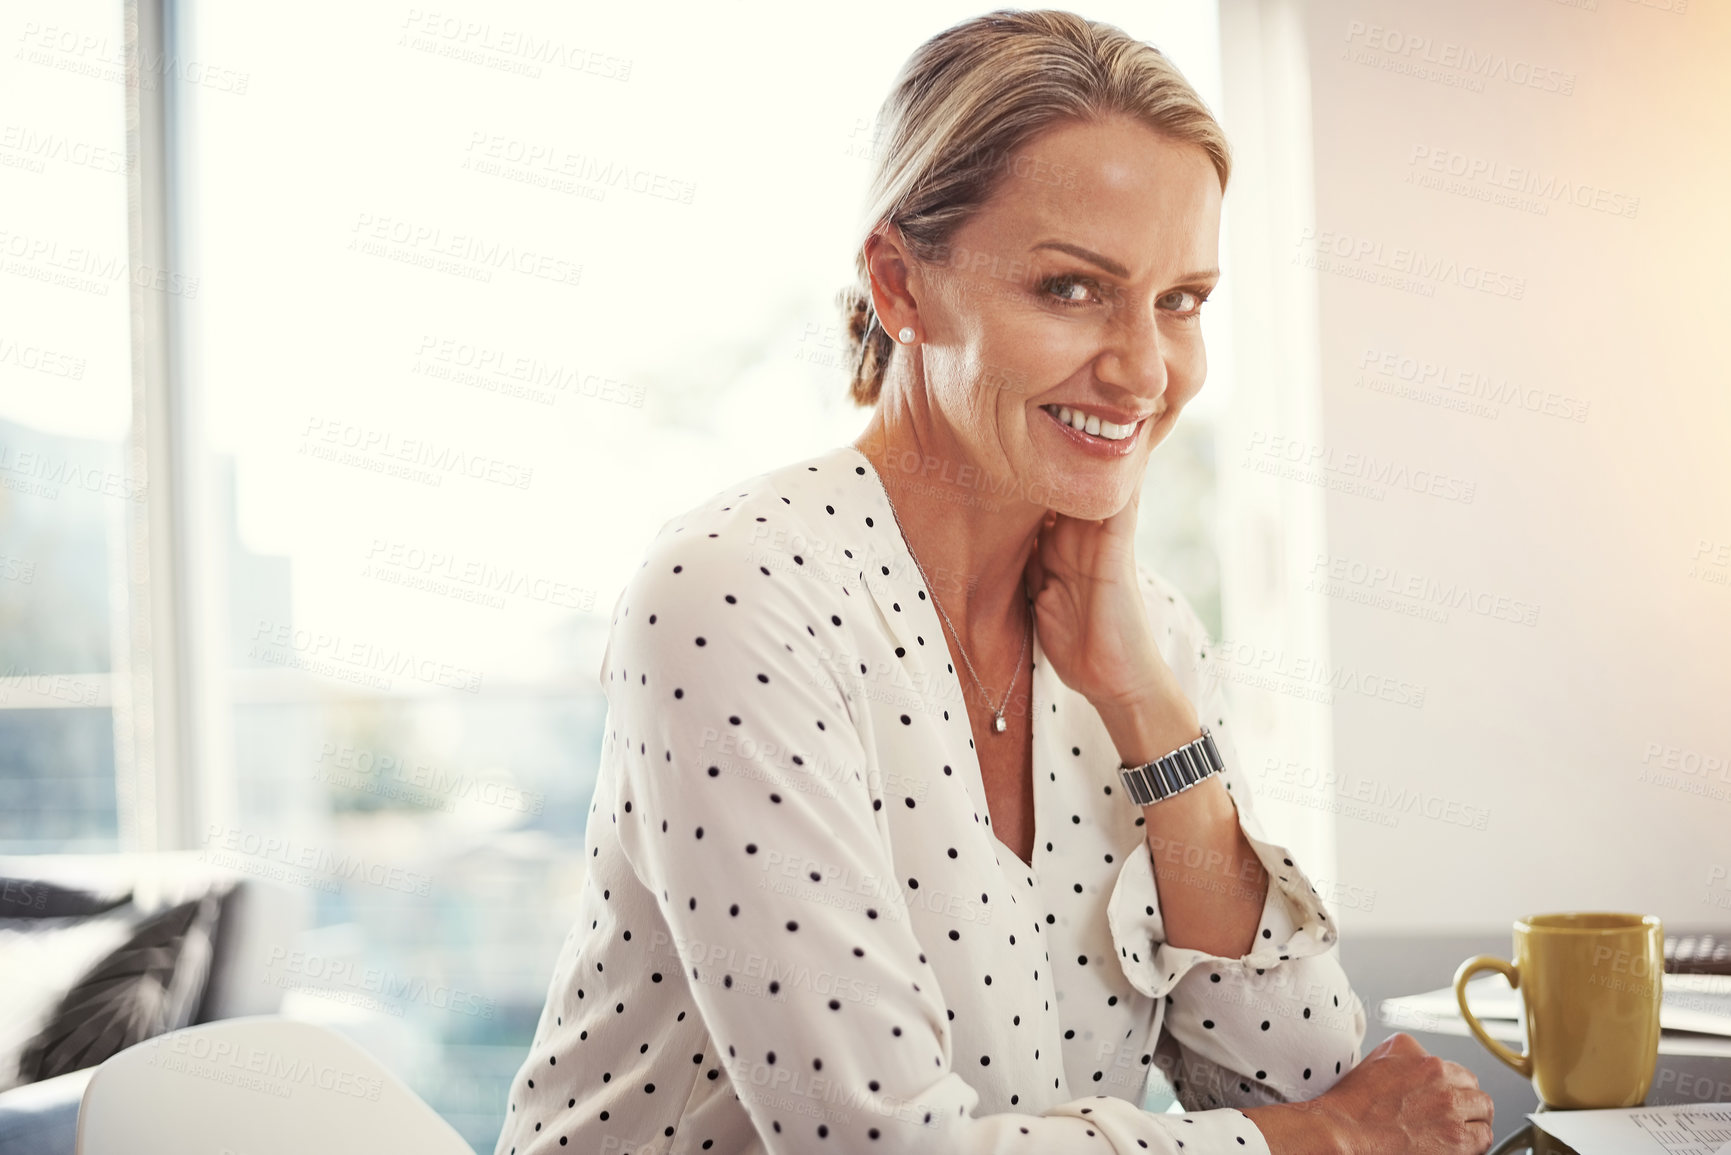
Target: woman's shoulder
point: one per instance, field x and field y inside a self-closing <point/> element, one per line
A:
<point x="763" y="509"/>
<point x="764" y="525"/>
<point x="747" y="563"/>
<point x="780" y="484"/>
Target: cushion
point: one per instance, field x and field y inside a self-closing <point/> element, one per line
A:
<point x="34" y="898"/>
<point x="150" y="984"/>
<point x="39" y="959"/>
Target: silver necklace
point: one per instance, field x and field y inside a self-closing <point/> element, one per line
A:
<point x="998" y="724"/>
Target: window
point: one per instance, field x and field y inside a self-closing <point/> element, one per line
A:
<point x="69" y="506"/>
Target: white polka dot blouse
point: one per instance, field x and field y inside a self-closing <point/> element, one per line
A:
<point x="798" y="932"/>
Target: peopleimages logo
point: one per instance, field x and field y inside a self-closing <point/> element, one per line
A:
<point x="1718" y="886"/>
<point x="1365" y="798"/>
<point x="34" y="148"/>
<point x="15" y="894"/>
<point x="85" y="270"/>
<point x="473" y="579"/>
<point x="1399" y="266"/>
<point x="1471" y="384"/>
<point x="1415" y="52"/>
<point x="390" y="775"/>
<point x="322" y="652"/>
<point x="1543" y="187"/>
<point x="67" y="688"/>
<point x="36" y="359"/>
<point x="1702" y="773"/>
<point x="494" y="369"/>
<point x="468" y="254"/>
<point x="339" y="976"/>
<point x="323" y="435"/>
<point x="232" y="846"/>
<point x="1348" y="471"/>
<point x="548" y="164"/>
<point x="1391" y="587"/>
<point x="1268" y="668"/>
<point x="503" y="47"/>
<point x="254" y="1068"/>
<point x="46" y="475"/>
<point x="101" y="57"/>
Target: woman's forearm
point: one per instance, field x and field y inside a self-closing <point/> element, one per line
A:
<point x="1212" y="886"/>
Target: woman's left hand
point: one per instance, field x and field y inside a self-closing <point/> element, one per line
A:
<point x="1089" y="611"/>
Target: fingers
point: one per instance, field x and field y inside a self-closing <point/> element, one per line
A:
<point x="1476" y="1106"/>
<point x="1455" y="1073"/>
<point x="1399" y="1043"/>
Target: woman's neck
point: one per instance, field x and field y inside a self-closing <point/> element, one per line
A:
<point x="971" y="532"/>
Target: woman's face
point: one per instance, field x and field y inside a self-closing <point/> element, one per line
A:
<point x="1078" y="284"/>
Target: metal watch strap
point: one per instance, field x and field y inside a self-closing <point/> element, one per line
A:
<point x="1172" y="773"/>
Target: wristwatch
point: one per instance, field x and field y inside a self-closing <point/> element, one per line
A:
<point x="1172" y="773"/>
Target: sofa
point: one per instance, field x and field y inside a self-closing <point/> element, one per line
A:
<point x="98" y="952"/>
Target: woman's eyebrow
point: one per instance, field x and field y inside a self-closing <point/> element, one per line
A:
<point x="1111" y="266"/>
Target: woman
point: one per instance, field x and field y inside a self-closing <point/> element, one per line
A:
<point x="863" y="872"/>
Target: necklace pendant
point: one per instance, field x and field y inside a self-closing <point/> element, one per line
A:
<point x="998" y="723"/>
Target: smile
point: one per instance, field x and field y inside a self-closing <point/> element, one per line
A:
<point x="1092" y="426"/>
<point x="1090" y="433"/>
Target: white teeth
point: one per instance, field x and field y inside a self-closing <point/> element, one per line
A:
<point x="1076" y="419"/>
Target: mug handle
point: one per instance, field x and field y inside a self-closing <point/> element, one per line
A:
<point x="1485" y="962"/>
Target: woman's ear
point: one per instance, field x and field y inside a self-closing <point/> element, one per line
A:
<point x="889" y="272"/>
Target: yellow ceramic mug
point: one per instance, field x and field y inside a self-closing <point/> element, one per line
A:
<point x="1591" y="984"/>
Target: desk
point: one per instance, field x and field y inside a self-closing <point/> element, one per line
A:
<point x="1383" y="966"/>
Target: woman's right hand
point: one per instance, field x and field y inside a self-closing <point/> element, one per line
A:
<point x="1402" y="1100"/>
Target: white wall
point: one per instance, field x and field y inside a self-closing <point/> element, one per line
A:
<point x="1599" y="292"/>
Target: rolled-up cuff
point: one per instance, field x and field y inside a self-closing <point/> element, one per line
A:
<point x="1294" y="923"/>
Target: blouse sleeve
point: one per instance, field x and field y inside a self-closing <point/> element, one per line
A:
<point x="1279" y="1024"/>
<point x="741" y="757"/>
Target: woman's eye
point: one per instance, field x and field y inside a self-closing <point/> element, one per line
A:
<point x="1077" y="290"/>
<point x="1188" y="300"/>
<point x="1063" y="289"/>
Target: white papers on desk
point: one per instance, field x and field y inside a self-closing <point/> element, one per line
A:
<point x="1692" y="1129"/>
<point x="1694" y="1014"/>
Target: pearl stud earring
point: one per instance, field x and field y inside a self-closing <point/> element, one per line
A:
<point x="906" y="335"/>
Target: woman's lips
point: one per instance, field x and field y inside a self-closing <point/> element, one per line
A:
<point x="1088" y="443"/>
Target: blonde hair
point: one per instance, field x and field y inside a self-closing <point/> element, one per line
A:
<point x="966" y="101"/>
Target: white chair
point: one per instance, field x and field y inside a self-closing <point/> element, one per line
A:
<point x="255" y="1086"/>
